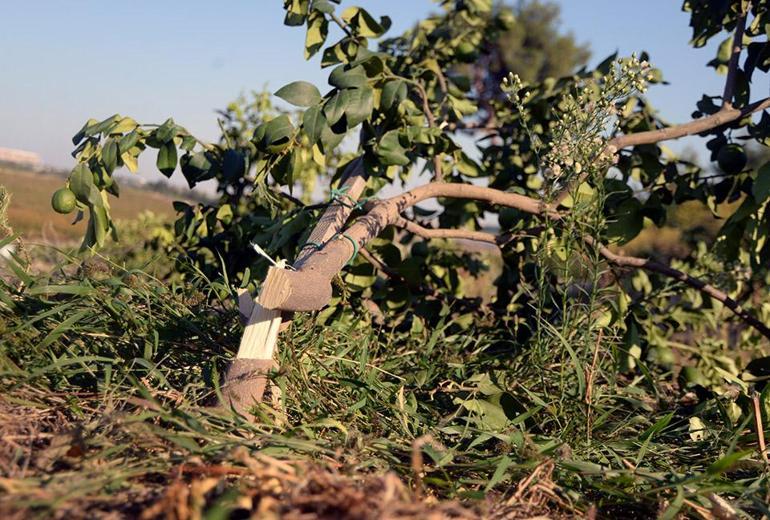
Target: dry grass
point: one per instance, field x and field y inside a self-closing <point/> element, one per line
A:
<point x="40" y="446"/>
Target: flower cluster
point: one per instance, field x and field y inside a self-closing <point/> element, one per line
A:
<point x="586" y="119"/>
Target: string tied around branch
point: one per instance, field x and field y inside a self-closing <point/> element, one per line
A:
<point x="353" y="242"/>
<point x="340" y="196"/>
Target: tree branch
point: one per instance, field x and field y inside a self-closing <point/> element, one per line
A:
<point x="735" y="53"/>
<point x="725" y="115"/>
<point x="337" y="214"/>
<point x="656" y="267"/>
<point x="309" y="288"/>
<point x="438" y="170"/>
<point x="462" y="234"/>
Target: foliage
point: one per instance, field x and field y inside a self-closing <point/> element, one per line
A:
<point x="108" y="372"/>
<point x="572" y="358"/>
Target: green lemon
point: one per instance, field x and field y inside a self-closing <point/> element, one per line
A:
<point x="506" y="20"/>
<point x="63" y="201"/>
<point x="466" y="52"/>
<point x="732" y="159"/>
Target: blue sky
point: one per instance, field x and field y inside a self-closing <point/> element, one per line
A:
<point x="65" y="61"/>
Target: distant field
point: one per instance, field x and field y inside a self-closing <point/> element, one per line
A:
<point x="31" y="214"/>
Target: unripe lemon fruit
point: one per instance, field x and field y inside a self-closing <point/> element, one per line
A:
<point x="466" y="52"/>
<point x="63" y="201"/>
<point x="732" y="159"/>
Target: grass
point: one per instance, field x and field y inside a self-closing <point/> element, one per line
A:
<point x="30" y="211"/>
<point x="109" y="374"/>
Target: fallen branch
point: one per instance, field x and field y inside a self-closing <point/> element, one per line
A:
<point x="310" y="287"/>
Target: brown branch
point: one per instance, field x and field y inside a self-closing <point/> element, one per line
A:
<point x="656" y="267"/>
<point x="735" y="54"/>
<point x="697" y="126"/>
<point x="309" y="288"/>
<point x="461" y="234"/>
<point x="438" y="170"/>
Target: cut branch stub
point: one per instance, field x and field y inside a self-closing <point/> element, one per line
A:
<point x="295" y="290"/>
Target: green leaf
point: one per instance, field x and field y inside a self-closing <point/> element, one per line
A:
<point x="101" y="224"/>
<point x="499" y="474"/>
<point x="393" y="92"/>
<point x="323" y="6"/>
<point x="167" y="158"/>
<point x="317" y="30"/>
<point x="334" y="108"/>
<point x="84" y="131"/>
<point x="126" y="124"/>
<point x="761" y="187"/>
<point x="103" y="126"/>
<point x="333" y="54"/>
<point x="364" y="23"/>
<point x="225" y="214"/>
<point x="82" y="182"/>
<point x="330" y="139"/>
<point x="314" y="121"/>
<point x="195" y="167"/>
<point x="390" y="151"/>
<point x="342" y="77"/>
<point x="167" y="131"/>
<point x="110" y="155"/>
<point x="128" y="141"/>
<point x="727" y="462"/>
<point x="296" y="11"/>
<point x="278" y="132"/>
<point x="283" y="170"/>
<point x="627" y="221"/>
<point x="299" y="93"/>
<point x="233" y="164"/>
<point x="359" y="106"/>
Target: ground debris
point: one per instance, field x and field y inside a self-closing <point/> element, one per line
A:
<point x="43" y="462"/>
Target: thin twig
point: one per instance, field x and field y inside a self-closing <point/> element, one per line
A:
<point x="341" y="24"/>
<point x="735" y="53"/>
<point x="760" y="428"/>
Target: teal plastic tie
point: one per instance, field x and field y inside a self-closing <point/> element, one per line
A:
<point x="355" y="247"/>
<point x="315" y="245"/>
<point x="337" y="195"/>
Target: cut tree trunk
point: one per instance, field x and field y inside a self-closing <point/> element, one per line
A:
<point x="246" y="377"/>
